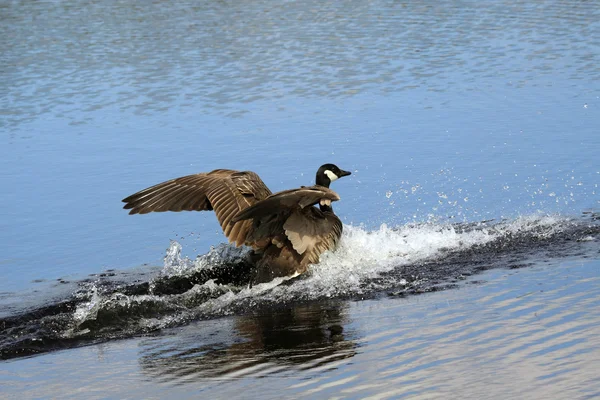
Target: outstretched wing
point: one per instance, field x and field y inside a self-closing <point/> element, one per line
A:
<point x="286" y="201"/>
<point x="227" y="192"/>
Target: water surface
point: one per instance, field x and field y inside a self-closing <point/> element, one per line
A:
<point x="472" y="133"/>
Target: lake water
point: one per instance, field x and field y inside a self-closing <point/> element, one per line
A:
<point x="469" y="264"/>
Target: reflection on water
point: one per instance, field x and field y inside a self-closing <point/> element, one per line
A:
<point x="529" y="333"/>
<point x="301" y="337"/>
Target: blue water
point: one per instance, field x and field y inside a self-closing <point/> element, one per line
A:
<point x="497" y="105"/>
<point x="444" y="112"/>
<point x="528" y="333"/>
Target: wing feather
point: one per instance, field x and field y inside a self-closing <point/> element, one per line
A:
<point x="152" y="203"/>
<point x="234" y="231"/>
<point x="286" y="201"/>
<point x="289" y="214"/>
<point x="244" y="231"/>
<point x="163" y="188"/>
<point x="226" y="215"/>
<point x="189" y="201"/>
<point x="312" y="232"/>
<point x="225" y="191"/>
<point x="171" y="199"/>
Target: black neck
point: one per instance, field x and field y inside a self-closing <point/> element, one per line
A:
<point x="323" y="180"/>
<point x="325" y="208"/>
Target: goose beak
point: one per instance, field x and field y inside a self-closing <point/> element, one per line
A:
<point x="344" y="173"/>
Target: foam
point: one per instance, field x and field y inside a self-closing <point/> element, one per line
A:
<point x="364" y="255"/>
<point x="406" y="259"/>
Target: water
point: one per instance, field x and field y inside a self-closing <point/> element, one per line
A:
<point x="471" y="132"/>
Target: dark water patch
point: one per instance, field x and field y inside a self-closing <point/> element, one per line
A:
<point x="533" y="332"/>
<point x="115" y="305"/>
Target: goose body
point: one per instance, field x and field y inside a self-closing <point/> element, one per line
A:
<point x="285" y="229"/>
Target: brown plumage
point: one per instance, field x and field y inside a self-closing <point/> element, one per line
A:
<point x="284" y="229"/>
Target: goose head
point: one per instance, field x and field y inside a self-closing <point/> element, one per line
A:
<point x="328" y="173"/>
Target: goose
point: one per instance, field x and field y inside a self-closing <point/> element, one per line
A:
<point x="285" y="230"/>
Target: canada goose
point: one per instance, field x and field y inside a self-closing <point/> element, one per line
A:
<point x="284" y="230"/>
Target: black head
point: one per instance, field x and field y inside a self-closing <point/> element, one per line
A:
<point x="329" y="173"/>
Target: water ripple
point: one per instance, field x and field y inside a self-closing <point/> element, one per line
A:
<point x="220" y="57"/>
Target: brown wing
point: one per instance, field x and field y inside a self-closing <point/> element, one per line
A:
<point x="289" y="214"/>
<point x="312" y="232"/>
<point x="286" y="201"/>
<point x="226" y="191"/>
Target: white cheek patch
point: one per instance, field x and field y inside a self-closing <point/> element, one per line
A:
<point x="332" y="177"/>
<point x="325" y="202"/>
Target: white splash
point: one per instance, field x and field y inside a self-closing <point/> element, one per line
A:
<point x="358" y="265"/>
<point x="364" y="255"/>
<point x="89" y="309"/>
<point x="175" y="264"/>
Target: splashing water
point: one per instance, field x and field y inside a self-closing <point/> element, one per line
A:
<point x="402" y="260"/>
